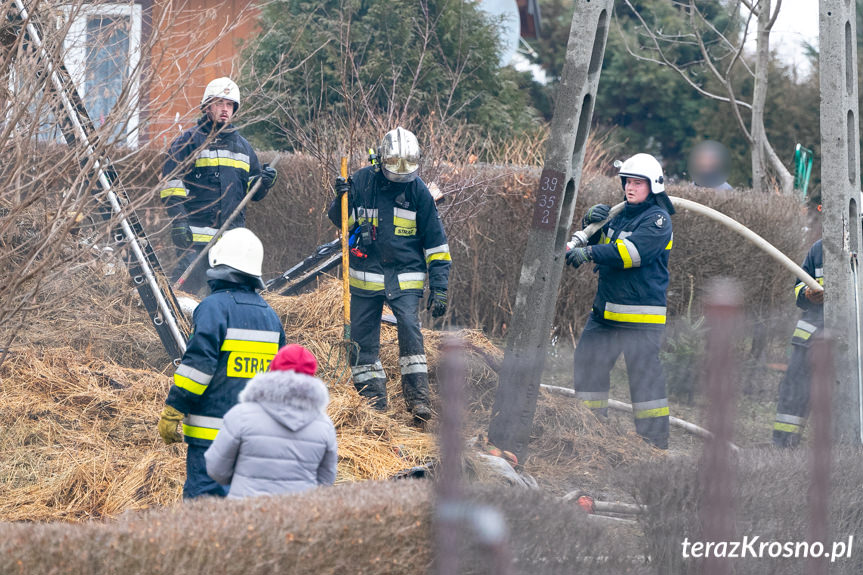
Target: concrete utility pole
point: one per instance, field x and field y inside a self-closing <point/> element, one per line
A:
<point x="840" y="185"/>
<point x="542" y="266"/>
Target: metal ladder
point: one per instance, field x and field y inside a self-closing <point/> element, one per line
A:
<point x="141" y="261"/>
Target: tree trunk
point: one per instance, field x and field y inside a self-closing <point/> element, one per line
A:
<point x="763" y="155"/>
<point x="759" y="98"/>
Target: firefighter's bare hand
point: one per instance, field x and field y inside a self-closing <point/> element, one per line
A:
<point x="814" y="296"/>
<point x="168" y="425"/>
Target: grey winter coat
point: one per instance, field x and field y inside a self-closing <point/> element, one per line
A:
<point x="278" y="439"/>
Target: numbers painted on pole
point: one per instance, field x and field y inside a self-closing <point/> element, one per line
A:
<point x="546" y="210"/>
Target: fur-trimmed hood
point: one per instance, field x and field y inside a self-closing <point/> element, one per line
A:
<point x="293" y="399"/>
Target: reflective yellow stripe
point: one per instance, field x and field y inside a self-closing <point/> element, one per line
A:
<point x="412" y="285"/>
<point x="596" y="404"/>
<point x="624" y="254"/>
<point x="634" y="317"/>
<point x="190" y="385"/>
<point x="648" y="413"/>
<point x="798" y="288"/>
<point x="230" y="162"/>
<point x="604" y="239"/>
<point x="201" y="238"/>
<point x="174" y="192"/>
<point x="262" y="347"/>
<point x="366" y="285"/>
<point x="200" y="432"/>
<point x="786" y="427"/>
<point x="802" y="334"/>
<point x="444" y="256"/>
<point x="404" y="223"/>
<point x="670" y="243"/>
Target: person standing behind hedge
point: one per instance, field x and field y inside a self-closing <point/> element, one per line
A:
<point x="631" y="254"/>
<point x="278" y="438"/>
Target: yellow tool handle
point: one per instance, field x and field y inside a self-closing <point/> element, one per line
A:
<point x="346" y="282"/>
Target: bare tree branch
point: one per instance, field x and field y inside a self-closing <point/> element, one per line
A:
<point x="664" y="61"/>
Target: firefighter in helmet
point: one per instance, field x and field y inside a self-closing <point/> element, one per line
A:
<point x="236" y="335"/>
<point x="630" y="253"/>
<point x="398" y="242"/>
<point x="208" y="172"/>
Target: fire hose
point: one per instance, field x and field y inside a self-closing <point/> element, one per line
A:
<point x="581" y="237"/>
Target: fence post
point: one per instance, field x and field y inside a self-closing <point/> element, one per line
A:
<point x="723" y="313"/>
<point x="820" y="403"/>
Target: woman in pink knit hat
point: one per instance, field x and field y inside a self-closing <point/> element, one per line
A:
<point x="278" y="438"/>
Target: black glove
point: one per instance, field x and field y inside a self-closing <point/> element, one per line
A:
<point x="268" y="176"/>
<point x="181" y="235"/>
<point x="577" y="256"/>
<point x="342" y="187"/>
<point x="594" y="214"/>
<point x="437" y="302"/>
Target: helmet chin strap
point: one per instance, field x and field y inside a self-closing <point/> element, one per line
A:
<point x="665" y="202"/>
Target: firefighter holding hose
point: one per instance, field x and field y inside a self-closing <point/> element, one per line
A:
<point x="630" y="252"/>
<point x="793" y="405"/>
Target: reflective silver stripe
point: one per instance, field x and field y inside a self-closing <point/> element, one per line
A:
<point x="609" y="233"/>
<point x="175" y="184"/>
<point x="806" y="326"/>
<point x="591" y="395"/>
<point x="819" y="272"/>
<point x="204" y="231"/>
<point x="633" y="253"/>
<point x="367" y="276"/>
<point x="363" y="373"/>
<point x="792" y="419"/>
<point x="442" y="249"/>
<point x="413" y="364"/>
<point x="203" y="421"/>
<point x="645" y="405"/>
<point x="405" y="214"/>
<point x="368" y="213"/>
<point x="624" y="235"/>
<point x="195" y="375"/>
<point x="252" y="335"/>
<point x="224" y="154"/>
<point x="635" y="309"/>
<point x="412" y="277"/>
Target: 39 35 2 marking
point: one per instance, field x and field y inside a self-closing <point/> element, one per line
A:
<point x="547" y="199"/>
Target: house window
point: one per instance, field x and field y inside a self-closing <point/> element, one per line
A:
<point x="103" y="50"/>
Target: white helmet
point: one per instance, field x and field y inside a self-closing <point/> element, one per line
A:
<point x="399" y="155"/>
<point x="645" y="167"/>
<point x="222" y="88"/>
<point x="240" y="249"/>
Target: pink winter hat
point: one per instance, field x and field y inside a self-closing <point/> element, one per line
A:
<point x="294" y="357"/>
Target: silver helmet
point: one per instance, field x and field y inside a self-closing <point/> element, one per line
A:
<point x="400" y="155"/>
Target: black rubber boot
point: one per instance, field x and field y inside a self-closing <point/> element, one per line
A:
<point x="376" y="393"/>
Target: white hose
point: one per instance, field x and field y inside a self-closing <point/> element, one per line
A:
<point x="580" y="237"/>
<point x="620" y="406"/>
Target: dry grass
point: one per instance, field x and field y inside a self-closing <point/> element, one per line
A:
<point x="78" y="441"/>
<point x="78" y="437"/>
